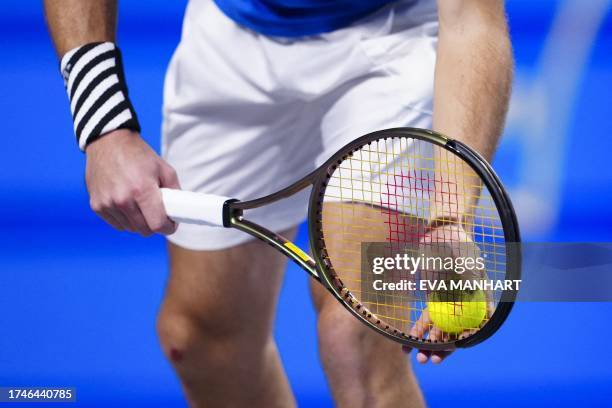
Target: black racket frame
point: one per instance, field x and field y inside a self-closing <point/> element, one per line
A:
<point x="319" y="267"/>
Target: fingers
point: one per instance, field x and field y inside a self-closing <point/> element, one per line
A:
<point x="130" y="208"/>
<point x="423" y="356"/>
<point x="425" y="328"/>
<point x="109" y="213"/>
<point x="122" y="212"/>
<point x="124" y="222"/>
<point x="139" y="208"/>
<point x="123" y="176"/>
<point x="154" y="213"/>
<point x="112" y="220"/>
<point x="168" y="177"/>
<point x="151" y="206"/>
<point x="436" y="357"/>
<point x="422" y="328"/>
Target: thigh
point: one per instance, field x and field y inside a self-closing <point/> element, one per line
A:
<point x="230" y="290"/>
<point x="346" y="226"/>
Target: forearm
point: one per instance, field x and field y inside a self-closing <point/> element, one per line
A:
<point x="472" y="88"/>
<point x="123" y="173"/>
<point x="473" y="75"/>
<point x="83" y="32"/>
<point x="77" y="22"/>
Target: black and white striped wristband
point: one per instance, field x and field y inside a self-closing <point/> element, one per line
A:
<point x="94" y="79"/>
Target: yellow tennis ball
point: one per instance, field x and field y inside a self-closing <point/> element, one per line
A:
<point x="456" y="317"/>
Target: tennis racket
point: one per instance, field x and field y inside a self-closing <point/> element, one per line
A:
<point x="395" y="190"/>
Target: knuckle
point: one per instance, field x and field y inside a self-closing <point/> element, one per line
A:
<point x="169" y="172"/>
<point x="121" y="203"/>
<point x="98" y="205"/>
<point x="172" y="173"/>
<point x="136" y="191"/>
<point x="95" y="206"/>
<point x="143" y="193"/>
<point x="157" y="226"/>
<point x="167" y="168"/>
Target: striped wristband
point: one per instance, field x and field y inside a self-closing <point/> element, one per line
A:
<point x="94" y="80"/>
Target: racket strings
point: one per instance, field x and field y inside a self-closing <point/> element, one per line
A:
<point x="386" y="192"/>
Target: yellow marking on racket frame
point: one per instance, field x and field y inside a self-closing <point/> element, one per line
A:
<point x="296" y="250"/>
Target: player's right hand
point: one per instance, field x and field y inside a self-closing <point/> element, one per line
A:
<point x="123" y="178"/>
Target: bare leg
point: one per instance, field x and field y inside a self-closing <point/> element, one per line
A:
<point x="364" y="369"/>
<point x="215" y="326"/>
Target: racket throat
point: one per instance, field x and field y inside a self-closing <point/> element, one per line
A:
<point x="277" y="241"/>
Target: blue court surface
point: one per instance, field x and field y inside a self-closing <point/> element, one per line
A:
<point x="78" y="300"/>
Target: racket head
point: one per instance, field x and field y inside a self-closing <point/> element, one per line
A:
<point x="336" y="231"/>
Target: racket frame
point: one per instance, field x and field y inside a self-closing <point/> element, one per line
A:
<point x="233" y="217"/>
<point x="317" y="265"/>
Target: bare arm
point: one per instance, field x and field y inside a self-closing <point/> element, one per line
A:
<point x="473" y="72"/>
<point x="76" y="22"/>
<point x="123" y="173"/>
<point x="471" y="93"/>
<point x="472" y="88"/>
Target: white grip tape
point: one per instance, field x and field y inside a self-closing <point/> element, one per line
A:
<point x="194" y="208"/>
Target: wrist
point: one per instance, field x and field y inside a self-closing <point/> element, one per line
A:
<point x="111" y="138"/>
<point x="97" y="90"/>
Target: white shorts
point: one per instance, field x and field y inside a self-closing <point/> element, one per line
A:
<point x="246" y="115"/>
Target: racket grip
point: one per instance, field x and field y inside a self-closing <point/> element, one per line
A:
<point x="193" y="208"/>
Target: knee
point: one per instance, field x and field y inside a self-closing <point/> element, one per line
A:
<point x="337" y="327"/>
<point x="184" y="337"/>
<point x="178" y="335"/>
<point x="339" y="330"/>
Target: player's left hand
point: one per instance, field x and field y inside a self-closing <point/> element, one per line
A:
<point x="421" y="329"/>
<point x="455" y="235"/>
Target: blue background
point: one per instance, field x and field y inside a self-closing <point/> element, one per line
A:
<point x="78" y="300"/>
